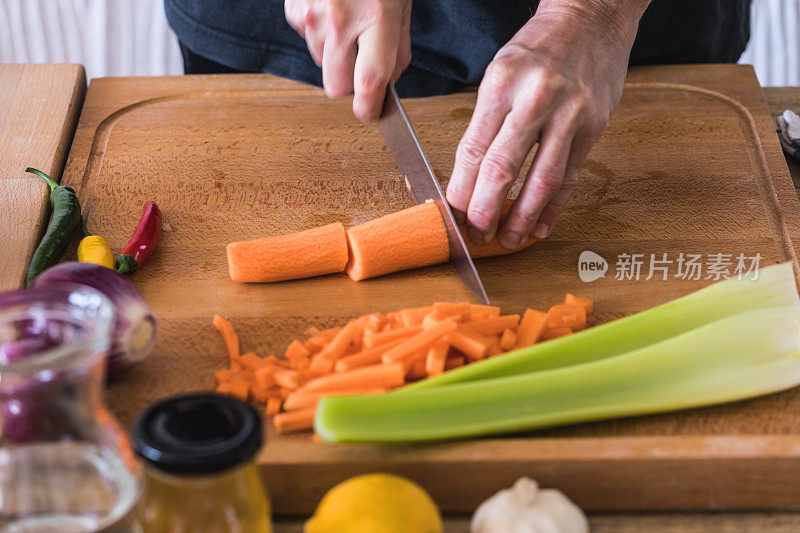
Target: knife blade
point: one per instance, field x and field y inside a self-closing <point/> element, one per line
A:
<point x="421" y="181"/>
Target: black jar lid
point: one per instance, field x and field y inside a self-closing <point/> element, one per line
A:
<point x="197" y="434"/>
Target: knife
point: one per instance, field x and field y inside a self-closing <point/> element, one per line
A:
<point x="421" y="181"/>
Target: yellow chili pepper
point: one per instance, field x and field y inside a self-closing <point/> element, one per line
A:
<point x="95" y="249"/>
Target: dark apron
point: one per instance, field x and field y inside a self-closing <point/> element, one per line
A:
<point x="452" y="40"/>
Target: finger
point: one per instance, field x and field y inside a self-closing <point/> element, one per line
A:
<point x="543" y="182"/>
<point x="404" y="49"/>
<point x="295" y="11"/>
<point x="487" y="118"/>
<point x="316" y="45"/>
<point x="577" y="157"/>
<point x="498" y="171"/>
<point x="338" y="65"/>
<point x="375" y="63"/>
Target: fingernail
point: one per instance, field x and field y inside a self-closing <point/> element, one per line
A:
<point x="511" y="240"/>
<point x="542" y="230"/>
<point x="475" y="236"/>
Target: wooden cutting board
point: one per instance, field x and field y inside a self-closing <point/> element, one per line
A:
<point x="689" y="164"/>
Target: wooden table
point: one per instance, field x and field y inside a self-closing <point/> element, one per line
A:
<point x="778" y="98"/>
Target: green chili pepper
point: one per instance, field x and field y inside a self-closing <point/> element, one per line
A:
<point x="65" y="218"/>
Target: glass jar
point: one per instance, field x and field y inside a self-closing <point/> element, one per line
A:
<point x="65" y="464"/>
<point x="200" y="474"/>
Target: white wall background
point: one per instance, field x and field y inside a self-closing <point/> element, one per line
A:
<point x="131" y="37"/>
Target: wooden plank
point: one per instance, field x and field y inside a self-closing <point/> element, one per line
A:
<point x="38" y="113"/>
<point x="689" y="164"/>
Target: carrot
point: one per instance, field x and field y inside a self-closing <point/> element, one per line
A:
<point x="323" y="362"/>
<point x="307" y="253"/>
<point x="494" y="347"/>
<point x="302" y="399"/>
<point x="370" y="356"/>
<point x="587" y="303"/>
<point x="296" y="350"/>
<point x="530" y="328"/>
<point x="416" y="369"/>
<point x="239" y="389"/>
<point x="471" y="343"/>
<point x="494" y="248"/>
<point x="414" y="316"/>
<point x="252" y="361"/>
<point x="480" y="311"/>
<point x="265" y="377"/>
<point x="461" y="309"/>
<point x="261" y="395"/>
<point x="374" y="376"/>
<point x="572" y="316"/>
<point x="421" y="341"/>
<point x="411" y="238"/>
<point x="371" y="341"/>
<point x="289" y="379"/>
<point x="222" y="376"/>
<point x="436" y="358"/>
<point x="294" y="420"/>
<point x="493" y="326"/>
<point x="552" y="333"/>
<point x="453" y="361"/>
<point x="274" y="405"/>
<point x="224" y="388"/>
<point x="508" y="340"/>
<point x="229" y="337"/>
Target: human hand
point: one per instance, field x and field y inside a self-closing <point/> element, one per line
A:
<point x="557" y="82"/>
<point x="361" y="45"/>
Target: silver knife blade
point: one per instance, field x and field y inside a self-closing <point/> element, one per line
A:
<point x="408" y="154"/>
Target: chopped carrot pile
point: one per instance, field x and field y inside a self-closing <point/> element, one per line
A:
<point x="376" y="353"/>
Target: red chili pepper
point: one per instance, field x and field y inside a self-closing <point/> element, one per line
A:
<point x="144" y="241"/>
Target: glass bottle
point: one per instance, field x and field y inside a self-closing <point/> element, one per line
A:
<point x="200" y="475"/>
<point x="65" y="464"/>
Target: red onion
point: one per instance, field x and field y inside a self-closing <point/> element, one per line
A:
<point x="134" y="331"/>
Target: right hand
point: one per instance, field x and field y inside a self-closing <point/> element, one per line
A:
<point x="361" y="45"/>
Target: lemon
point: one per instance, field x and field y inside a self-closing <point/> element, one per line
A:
<point x="376" y="503"/>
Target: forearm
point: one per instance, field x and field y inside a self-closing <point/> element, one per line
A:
<point x="617" y="20"/>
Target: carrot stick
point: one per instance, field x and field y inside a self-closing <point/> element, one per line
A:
<point x="274" y="405"/>
<point x="323" y="362"/>
<point x="552" y="333"/>
<point x="411" y="238"/>
<point x="265" y="377"/>
<point x="508" y="340"/>
<point x="229" y="337"/>
<point x="416" y="369"/>
<point x="530" y="328"/>
<point x="294" y="420"/>
<point x="288" y="379"/>
<point x="436" y="358"/>
<point x="303" y="399"/>
<point x="239" y="389"/>
<point x="461" y="309"/>
<point x="472" y="344"/>
<point x="421" y="341"/>
<point x="494" y="326"/>
<point x="307" y="253"/>
<point x="585" y="302"/>
<point x="296" y="350"/>
<point x="222" y="375"/>
<point x="370" y="356"/>
<point x="374" y="376"/>
<point x="572" y="316"/>
<point x="414" y="316"/>
<point x="453" y="361"/>
<point x="371" y="341"/>
<point x="252" y="361"/>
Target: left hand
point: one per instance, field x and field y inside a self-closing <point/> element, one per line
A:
<point x="557" y="82"/>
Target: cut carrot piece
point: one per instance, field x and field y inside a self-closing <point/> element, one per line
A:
<point x="229" y="337"/>
<point x="461" y="309"/>
<point x="370" y="356"/>
<point x="224" y="388"/>
<point x="294" y="420"/>
<point x="265" y="377"/>
<point x="552" y="333"/>
<point x="436" y="358"/>
<point x="469" y="342"/>
<point x="494" y="347"/>
<point x="530" y="328"/>
<point x="587" y="303"/>
<point x="572" y="316"/>
<point x="453" y="361"/>
<point x="239" y="389"/>
<point x="261" y="395"/>
<point x="411" y="238"/>
<point x="303" y="399"/>
<point x="222" y="375"/>
<point x="288" y="379"/>
<point x="300" y="364"/>
<point x="384" y="376"/>
<point x="307" y="253"/>
<point x="378" y="339"/>
<point x="508" y="340"/>
<point x="421" y="341"/>
<point x="417" y="369"/>
<point x="323" y="362"/>
<point x="493" y="326"/>
<point x="274" y="405"/>
<point x="252" y="361"/>
<point x="296" y="350"/>
<point x="414" y="315"/>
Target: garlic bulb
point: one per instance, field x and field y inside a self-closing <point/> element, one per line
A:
<point x="524" y="508"/>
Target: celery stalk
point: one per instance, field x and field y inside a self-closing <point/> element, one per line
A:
<point x="741" y="356"/>
<point x="774" y="286"/>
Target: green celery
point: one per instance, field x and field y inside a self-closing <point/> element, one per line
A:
<point x="774" y="286"/>
<point x="741" y="356"/>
